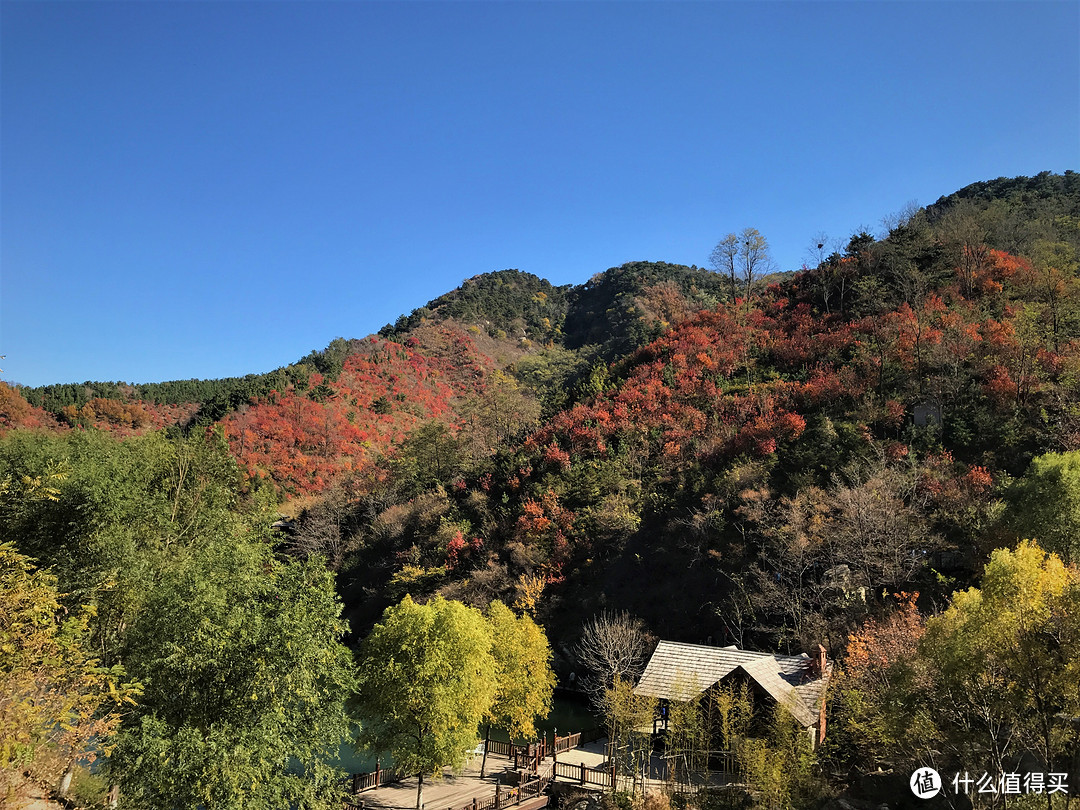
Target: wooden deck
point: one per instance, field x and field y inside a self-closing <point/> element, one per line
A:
<point x="585" y="766"/>
<point x="455" y="791"/>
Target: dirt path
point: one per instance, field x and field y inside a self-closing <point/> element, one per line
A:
<point x="29" y="796"/>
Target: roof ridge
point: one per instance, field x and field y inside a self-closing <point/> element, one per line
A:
<point x="677" y="668"/>
<point x="801" y="657"/>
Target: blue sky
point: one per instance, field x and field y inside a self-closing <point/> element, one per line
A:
<point x="204" y="189"/>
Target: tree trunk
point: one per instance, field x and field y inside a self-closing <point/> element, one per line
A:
<point x="65" y="780"/>
<point x="420" y="792"/>
<point x="487" y="739"/>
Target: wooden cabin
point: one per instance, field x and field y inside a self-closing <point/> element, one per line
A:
<point x="681" y="672"/>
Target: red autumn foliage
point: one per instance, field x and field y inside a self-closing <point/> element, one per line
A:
<point x="556" y="456"/>
<point x="696" y="394"/>
<point x="894" y="451"/>
<point x="458" y="549"/>
<point x="454" y="547"/>
<point x="547" y="524"/>
<point x="978" y="479"/>
<point x="382" y="393"/>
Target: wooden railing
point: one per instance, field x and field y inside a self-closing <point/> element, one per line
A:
<point x="531" y="752"/>
<point x="508" y="796"/>
<point x="499" y="748"/>
<point x="599" y="777"/>
<point x="528" y="756"/>
<point x="358" y="782"/>
<point x="364" y="781"/>
<point x="567" y="743"/>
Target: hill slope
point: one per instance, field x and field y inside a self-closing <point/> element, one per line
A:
<point x="847" y="430"/>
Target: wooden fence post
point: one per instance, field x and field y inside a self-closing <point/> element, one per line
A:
<point x="377" y="772"/>
<point x="583" y="773"/>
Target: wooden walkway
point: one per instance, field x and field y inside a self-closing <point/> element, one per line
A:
<point x="456" y="791"/>
<point x="586" y="766"/>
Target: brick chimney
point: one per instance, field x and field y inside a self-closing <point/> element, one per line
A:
<point x="820" y="663"/>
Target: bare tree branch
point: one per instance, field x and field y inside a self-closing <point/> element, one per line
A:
<point x="612" y="646"/>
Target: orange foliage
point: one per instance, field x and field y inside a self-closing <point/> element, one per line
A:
<point x="16" y="412"/>
<point x="880" y="644"/>
<point x="127" y="417"/>
<point x="383" y="392"/>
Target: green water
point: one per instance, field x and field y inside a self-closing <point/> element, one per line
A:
<point x="569" y="715"/>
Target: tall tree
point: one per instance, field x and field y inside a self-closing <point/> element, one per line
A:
<point x="246" y="684"/>
<point x="755" y="258"/>
<point x="523" y="676"/>
<point x="427" y="679"/>
<point x="120" y="513"/>
<point x="725" y="259"/>
<point x="743" y="255"/>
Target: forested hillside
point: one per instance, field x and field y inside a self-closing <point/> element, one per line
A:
<point x="927" y="368"/>
<point x="822" y="456"/>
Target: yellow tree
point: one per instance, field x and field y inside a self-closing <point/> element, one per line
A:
<point x="1007" y="658"/>
<point x="523" y="675"/>
<point x="427" y="680"/>
<point x="53" y="693"/>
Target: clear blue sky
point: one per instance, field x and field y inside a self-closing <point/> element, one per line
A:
<point x="201" y="189"/>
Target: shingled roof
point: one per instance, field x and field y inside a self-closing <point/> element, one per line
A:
<point x="681" y="672"/>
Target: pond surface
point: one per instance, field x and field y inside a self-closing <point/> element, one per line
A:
<point x="570" y="713"/>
